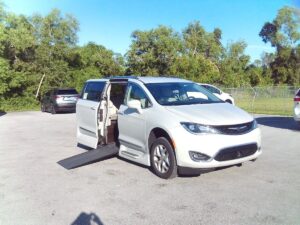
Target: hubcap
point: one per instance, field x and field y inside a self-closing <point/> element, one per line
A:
<point x="161" y="159"/>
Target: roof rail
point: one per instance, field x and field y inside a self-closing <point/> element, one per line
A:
<point x="172" y="76"/>
<point x="121" y="77"/>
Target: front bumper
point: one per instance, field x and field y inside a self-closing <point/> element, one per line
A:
<point x="211" y="145"/>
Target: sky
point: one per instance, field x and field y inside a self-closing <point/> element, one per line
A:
<point x="111" y="22"/>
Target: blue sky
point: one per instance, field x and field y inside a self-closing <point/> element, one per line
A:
<point x="111" y="22"/>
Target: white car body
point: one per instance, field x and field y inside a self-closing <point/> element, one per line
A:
<point x="297" y="106"/>
<point x="135" y="125"/>
<point x="219" y="93"/>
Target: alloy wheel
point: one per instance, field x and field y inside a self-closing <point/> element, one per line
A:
<point x="161" y="159"/>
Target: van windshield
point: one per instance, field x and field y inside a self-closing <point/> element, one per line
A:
<point x="181" y="93"/>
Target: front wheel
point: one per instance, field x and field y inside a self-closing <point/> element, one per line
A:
<point x="163" y="161"/>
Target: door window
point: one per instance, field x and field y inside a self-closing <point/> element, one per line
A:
<point x="92" y="91"/>
<point x="212" y="89"/>
<point x="117" y="93"/>
<point x="134" y="92"/>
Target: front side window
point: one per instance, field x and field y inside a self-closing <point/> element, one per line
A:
<point x="181" y="93"/>
<point x="92" y="91"/>
<point x="134" y="92"/>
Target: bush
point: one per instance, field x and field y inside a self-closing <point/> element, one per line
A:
<point x="19" y="104"/>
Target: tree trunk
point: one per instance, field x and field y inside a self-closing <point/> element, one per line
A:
<point x="40" y="84"/>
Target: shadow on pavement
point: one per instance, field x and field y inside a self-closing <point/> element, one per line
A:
<point x="279" y="122"/>
<point x="84" y="147"/>
<point x="87" y="219"/>
<point x="2" y="113"/>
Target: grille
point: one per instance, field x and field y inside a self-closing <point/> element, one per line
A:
<point x="236" y="129"/>
<point x="236" y="152"/>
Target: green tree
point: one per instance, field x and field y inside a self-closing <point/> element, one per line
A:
<point x="283" y="34"/>
<point x="93" y="61"/>
<point x="196" y="68"/>
<point x="12" y="83"/>
<point x="55" y="35"/>
<point x="153" y="52"/>
<point x="234" y="64"/>
<point x="198" y="41"/>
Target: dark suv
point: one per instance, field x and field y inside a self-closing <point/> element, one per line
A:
<point x="59" y="100"/>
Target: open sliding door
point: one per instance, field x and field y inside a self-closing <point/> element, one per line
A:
<point x="90" y="112"/>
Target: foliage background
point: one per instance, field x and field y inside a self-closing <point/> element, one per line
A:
<point x="33" y="46"/>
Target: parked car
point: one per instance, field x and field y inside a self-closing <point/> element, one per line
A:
<point x="59" y="100"/>
<point x="170" y="124"/>
<point x="297" y="106"/>
<point x="219" y="93"/>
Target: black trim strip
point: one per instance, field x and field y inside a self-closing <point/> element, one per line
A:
<point x="133" y="146"/>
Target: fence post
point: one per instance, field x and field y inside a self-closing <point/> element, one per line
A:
<point x="253" y="99"/>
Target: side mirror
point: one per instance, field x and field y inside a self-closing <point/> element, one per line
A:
<point x="135" y="104"/>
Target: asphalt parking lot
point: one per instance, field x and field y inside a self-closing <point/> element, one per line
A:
<point x="35" y="190"/>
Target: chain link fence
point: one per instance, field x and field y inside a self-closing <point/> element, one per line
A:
<point x="276" y="100"/>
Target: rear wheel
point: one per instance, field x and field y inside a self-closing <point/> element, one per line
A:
<point x="163" y="161"/>
<point x="53" y="111"/>
<point x="229" y="101"/>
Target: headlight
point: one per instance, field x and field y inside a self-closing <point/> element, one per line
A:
<point x="199" y="128"/>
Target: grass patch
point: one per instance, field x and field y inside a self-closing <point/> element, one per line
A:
<point x="274" y="106"/>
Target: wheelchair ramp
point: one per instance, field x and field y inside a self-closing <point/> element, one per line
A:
<point x="89" y="157"/>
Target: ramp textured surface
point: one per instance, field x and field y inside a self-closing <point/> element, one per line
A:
<point x="90" y="156"/>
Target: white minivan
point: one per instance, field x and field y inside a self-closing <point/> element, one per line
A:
<point x="219" y="93"/>
<point x="170" y="124"/>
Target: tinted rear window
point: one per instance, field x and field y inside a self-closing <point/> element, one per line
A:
<point x="92" y="91"/>
<point x="298" y="93"/>
<point x="67" y="92"/>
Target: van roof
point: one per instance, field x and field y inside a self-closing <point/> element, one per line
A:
<point x="144" y="79"/>
<point x="161" y="79"/>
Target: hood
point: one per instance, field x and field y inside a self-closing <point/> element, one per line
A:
<point x="211" y="114"/>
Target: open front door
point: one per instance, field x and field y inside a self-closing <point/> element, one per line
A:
<point x="90" y="113"/>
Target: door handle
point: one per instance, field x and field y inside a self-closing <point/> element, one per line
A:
<point x="92" y="108"/>
<point x="120" y="113"/>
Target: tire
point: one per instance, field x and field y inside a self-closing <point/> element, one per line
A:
<point x="53" y="111"/>
<point x="228" y="101"/>
<point x="43" y="108"/>
<point x="162" y="157"/>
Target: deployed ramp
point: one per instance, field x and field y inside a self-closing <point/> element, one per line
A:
<point x="90" y="156"/>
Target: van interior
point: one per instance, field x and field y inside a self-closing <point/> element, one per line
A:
<point x="116" y="97"/>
